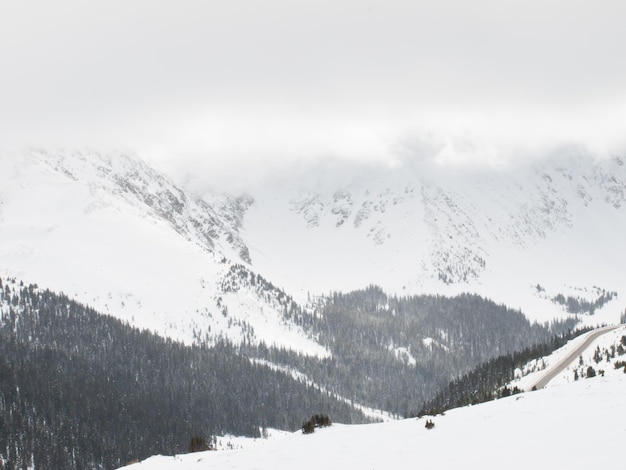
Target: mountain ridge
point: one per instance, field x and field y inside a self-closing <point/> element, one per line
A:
<point x="159" y="255"/>
<point x="425" y="228"/>
<point x="113" y="233"/>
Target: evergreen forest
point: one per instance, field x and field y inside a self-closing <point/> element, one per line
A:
<point x="82" y="390"/>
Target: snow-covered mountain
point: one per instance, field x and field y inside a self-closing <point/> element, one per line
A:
<point x="112" y="232"/>
<point x="567" y="425"/>
<point x="423" y="227"/>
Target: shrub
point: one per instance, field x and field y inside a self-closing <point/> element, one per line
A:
<point x="308" y="427"/>
<point x="316" y="421"/>
<point x="198" y="444"/>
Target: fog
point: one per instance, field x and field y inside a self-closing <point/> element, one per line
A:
<point x="240" y="89"/>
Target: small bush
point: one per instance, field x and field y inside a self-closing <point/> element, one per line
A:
<point x="507" y="392"/>
<point x="198" y="444"/>
<point x="308" y="427"/>
<point x="429" y="424"/>
<point x="321" y="420"/>
<point x="316" y="421"/>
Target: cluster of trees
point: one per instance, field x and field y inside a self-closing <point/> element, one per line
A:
<point x="316" y="421"/>
<point x="579" y="305"/>
<point x="620" y="364"/>
<point x="200" y="444"/>
<point x="488" y="380"/>
<point x="604" y="355"/>
<point x="240" y="277"/>
<point x="81" y="390"/>
<point x="392" y="353"/>
<point x="461" y="266"/>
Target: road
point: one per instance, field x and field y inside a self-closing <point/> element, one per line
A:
<point x="555" y="370"/>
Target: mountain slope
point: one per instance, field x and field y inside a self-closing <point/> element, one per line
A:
<point x="81" y="390"/>
<point x="113" y="233"/>
<point x="564" y="426"/>
<point x="424" y="227"/>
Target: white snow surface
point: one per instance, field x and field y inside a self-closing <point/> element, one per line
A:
<point x="533" y="370"/>
<point x="112" y="233"/>
<point x="576" y="425"/>
<point x="498" y="232"/>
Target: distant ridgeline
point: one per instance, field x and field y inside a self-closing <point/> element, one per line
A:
<point x="81" y="390"/>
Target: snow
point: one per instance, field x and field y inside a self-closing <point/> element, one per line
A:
<point x="66" y="225"/>
<point x="430" y="342"/>
<point x="403" y="354"/>
<point x="556" y="224"/>
<point x="577" y="425"/>
<point x="68" y="222"/>
<point x="268" y="325"/>
<point x="533" y="370"/>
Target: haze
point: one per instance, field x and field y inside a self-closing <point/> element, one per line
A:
<point x="220" y="88"/>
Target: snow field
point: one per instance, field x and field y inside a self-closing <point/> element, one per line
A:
<point x="578" y="425"/>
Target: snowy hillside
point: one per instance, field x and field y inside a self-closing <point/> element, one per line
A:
<point x="112" y="233"/>
<point x="534" y="429"/>
<point x="424" y="227"/>
<point x="604" y="356"/>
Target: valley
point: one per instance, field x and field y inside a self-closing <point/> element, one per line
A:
<point x="362" y="296"/>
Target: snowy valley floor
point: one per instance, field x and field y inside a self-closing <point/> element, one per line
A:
<point x="575" y="425"/>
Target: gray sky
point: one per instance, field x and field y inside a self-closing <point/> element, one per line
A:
<point x="225" y="83"/>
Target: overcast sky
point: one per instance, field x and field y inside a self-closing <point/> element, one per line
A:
<point x="230" y="82"/>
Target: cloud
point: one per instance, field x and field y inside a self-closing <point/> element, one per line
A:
<point x="232" y="83"/>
